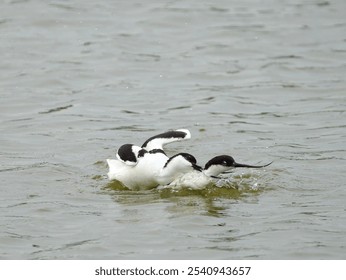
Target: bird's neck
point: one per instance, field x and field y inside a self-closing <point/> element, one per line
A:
<point x="215" y="170"/>
<point x="170" y="172"/>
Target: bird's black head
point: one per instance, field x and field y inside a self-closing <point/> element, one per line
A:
<point x="188" y="157"/>
<point x="223" y="163"/>
<point x="223" y="160"/>
<point x="126" y="154"/>
<point x="192" y="160"/>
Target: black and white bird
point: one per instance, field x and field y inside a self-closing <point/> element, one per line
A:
<point x="148" y="166"/>
<point x="213" y="168"/>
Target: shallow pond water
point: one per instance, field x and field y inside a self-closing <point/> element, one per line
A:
<point x="259" y="80"/>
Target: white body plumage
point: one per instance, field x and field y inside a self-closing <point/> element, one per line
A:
<point x="148" y="166"/>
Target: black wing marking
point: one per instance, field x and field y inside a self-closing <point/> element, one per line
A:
<point x="158" y="141"/>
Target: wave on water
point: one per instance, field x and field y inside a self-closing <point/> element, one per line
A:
<point x="231" y="188"/>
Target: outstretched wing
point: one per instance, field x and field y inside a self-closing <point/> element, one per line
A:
<point x="158" y="141"/>
<point x="129" y="154"/>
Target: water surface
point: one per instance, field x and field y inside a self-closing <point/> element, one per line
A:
<point x="258" y="80"/>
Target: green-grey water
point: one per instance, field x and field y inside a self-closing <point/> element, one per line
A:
<point x="259" y="80"/>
